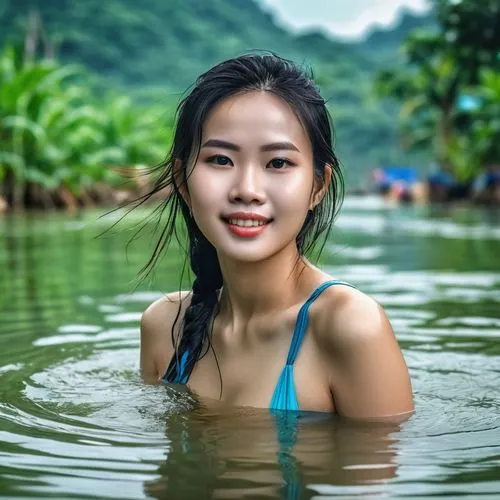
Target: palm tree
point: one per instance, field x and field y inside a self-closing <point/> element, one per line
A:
<point x="429" y="91"/>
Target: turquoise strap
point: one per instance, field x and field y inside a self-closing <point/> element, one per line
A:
<point x="303" y="321"/>
<point x="181" y="377"/>
<point x="285" y="397"/>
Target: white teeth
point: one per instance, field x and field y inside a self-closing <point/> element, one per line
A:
<point x="246" y="222"/>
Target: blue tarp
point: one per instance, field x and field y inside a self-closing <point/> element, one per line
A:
<point x="398" y="174"/>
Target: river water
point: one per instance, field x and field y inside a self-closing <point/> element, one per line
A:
<point x="77" y="422"/>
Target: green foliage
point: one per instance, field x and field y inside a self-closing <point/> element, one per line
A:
<point x="383" y="44"/>
<point x="471" y="31"/>
<point x="428" y="95"/>
<point x="485" y="119"/>
<point x="443" y="68"/>
<point x="166" y="44"/>
<point x="54" y="132"/>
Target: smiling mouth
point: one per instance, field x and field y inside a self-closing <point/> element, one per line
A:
<point x="246" y="227"/>
<point x="245" y="219"/>
<point x="246" y="222"/>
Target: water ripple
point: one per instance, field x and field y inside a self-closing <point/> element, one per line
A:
<point x="76" y="420"/>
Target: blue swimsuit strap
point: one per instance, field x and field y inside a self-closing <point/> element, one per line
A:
<point x="303" y="320"/>
<point x="181" y="377"/>
<point x="285" y="397"/>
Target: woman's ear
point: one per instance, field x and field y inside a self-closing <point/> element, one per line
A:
<point x="181" y="182"/>
<point x="321" y="189"/>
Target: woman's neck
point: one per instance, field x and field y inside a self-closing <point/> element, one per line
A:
<point x="258" y="288"/>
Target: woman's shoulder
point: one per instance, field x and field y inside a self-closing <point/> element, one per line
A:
<point x="345" y="314"/>
<point x="165" y="309"/>
<point x="366" y="368"/>
<point x="156" y="333"/>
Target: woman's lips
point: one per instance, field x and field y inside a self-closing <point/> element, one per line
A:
<point x="245" y="216"/>
<point x="246" y="231"/>
<point x="238" y="224"/>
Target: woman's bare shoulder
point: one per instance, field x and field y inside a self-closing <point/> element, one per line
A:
<point x="344" y="317"/>
<point x="156" y="333"/>
<point x="344" y="305"/>
<point x="164" y="311"/>
<point x="368" y="373"/>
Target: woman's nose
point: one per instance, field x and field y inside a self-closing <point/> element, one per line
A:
<point x="248" y="186"/>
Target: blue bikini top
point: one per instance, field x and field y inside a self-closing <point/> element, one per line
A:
<point x="284" y="397"/>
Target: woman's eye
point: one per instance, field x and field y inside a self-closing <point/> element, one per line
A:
<point x="219" y="160"/>
<point x="279" y="163"/>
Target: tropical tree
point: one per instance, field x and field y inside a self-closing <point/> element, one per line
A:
<point x="140" y="133"/>
<point x="58" y="142"/>
<point x="485" y="128"/>
<point x="443" y="70"/>
<point x="429" y="92"/>
<point x="471" y="31"/>
<point x="47" y="128"/>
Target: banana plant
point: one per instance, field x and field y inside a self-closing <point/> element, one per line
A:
<point x="54" y="133"/>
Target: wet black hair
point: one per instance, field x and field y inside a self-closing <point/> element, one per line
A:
<point x="250" y="72"/>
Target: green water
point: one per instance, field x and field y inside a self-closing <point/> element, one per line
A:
<point x="76" y="421"/>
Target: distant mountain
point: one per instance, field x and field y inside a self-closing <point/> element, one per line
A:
<point x="382" y="44"/>
<point x="165" y="44"/>
<point x="163" y="41"/>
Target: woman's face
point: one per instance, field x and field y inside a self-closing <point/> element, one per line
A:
<point x="252" y="183"/>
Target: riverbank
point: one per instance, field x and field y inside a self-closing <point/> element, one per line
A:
<point x="405" y="185"/>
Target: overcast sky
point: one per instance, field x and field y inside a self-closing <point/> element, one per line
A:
<point x="346" y="18"/>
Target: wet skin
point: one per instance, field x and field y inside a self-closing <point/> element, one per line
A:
<point x="256" y="159"/>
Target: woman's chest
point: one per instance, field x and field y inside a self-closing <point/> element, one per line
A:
<point x="247" y="373"/>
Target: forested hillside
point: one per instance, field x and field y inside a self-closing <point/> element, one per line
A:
<point x="382" y="45"/>
<point x="166" y="44"/>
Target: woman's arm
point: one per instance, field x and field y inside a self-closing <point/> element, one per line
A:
<point x="368" y="374"/>
<point x="156" y="334"/>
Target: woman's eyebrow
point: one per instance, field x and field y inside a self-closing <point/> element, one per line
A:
<point x="217" y="143"/>
<point x="280" y="146"/>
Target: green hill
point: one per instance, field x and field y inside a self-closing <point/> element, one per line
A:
<point x="382" y="44"/>
<point x="165" y="44"/>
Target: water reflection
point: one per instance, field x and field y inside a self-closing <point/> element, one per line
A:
<point x="226" y="452"/>
<point x="74" y="414"/>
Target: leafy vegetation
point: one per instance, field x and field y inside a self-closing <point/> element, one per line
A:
<point x="161" y="47"/>
<point x="66" y="129"/>
<point x="58" y="142"/>
<point x="154" y="42"/>
<point x="383" y="44"/>
<point x="449" y="93"/>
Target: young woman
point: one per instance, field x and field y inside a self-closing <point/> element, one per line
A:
<point x="253" y="174"/>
